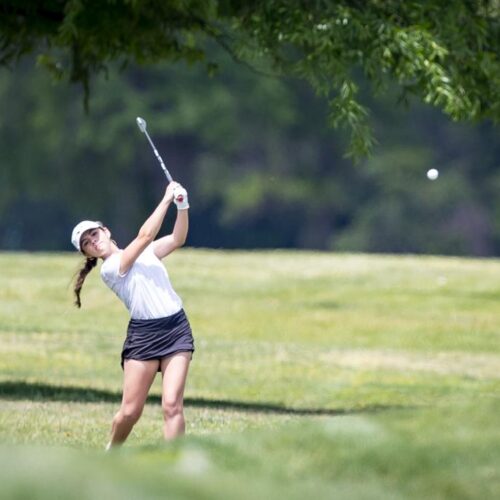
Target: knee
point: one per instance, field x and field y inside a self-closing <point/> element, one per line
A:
<point x="171" y="408"/>
<point x="129" y="414"/>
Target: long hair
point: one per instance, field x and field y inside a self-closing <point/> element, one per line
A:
<point x="89" y="264"/>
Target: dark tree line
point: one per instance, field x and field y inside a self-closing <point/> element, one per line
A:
<point x="262" y="167"/>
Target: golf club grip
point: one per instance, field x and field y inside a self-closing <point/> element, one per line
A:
<point x="179" y="198"/>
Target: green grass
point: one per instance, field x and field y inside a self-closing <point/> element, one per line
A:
<point x="315" y="374"/>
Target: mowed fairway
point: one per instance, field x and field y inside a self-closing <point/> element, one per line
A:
<point x="329" y="375"/>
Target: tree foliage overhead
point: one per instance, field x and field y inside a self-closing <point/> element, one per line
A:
<point x="445" y="53"/>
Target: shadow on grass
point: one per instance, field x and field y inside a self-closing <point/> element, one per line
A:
<point x="46" y="392"/>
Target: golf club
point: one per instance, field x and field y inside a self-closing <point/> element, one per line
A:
<point x="141" y="123"/>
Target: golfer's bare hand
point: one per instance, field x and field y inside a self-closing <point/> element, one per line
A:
<point x="169" y="193"/>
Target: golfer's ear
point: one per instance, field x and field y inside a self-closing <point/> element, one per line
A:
<point x="107" y="232"/>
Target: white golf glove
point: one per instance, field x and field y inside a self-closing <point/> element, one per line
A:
<point x="181" y="198"/>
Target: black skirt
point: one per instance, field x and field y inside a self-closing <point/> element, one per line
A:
<point x="158" y="338"/>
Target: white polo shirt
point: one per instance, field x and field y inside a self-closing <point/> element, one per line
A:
<point x="145" y="289"/>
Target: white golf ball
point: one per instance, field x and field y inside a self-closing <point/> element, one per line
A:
<point x="432" y="174"/>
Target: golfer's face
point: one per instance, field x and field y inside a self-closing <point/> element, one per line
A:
<point x="94" y="242"/>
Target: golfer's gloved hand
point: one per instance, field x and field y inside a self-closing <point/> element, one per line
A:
<point x="181" y="198"/>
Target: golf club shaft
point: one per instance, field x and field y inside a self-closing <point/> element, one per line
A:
<point x="167" y="173"/>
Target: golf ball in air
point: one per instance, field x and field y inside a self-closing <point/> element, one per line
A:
<point x="432" y="174"/>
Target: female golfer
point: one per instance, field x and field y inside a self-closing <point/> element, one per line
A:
<point x="159" y="336"/>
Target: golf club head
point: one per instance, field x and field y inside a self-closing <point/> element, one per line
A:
<point x="141" y="123"/>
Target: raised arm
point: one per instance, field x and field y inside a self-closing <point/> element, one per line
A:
<point x="148" y="231"/>
<point x="166" y="245"/>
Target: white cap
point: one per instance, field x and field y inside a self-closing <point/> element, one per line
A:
<point x="80" y="228"/>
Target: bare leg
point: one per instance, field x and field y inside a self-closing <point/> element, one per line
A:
<point x="137" y="379"/>
<point x="174" y="370"/>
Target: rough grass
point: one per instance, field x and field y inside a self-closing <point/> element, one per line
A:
<point x="315" y="374"/>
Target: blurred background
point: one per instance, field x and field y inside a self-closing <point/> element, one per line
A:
<point x="261" y="165"/>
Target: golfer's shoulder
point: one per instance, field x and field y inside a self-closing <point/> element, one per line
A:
<point x="111" y="266"/>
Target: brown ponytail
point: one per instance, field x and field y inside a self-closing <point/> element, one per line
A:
<point x="89" y="264"/>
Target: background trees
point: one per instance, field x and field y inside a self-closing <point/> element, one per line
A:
<point x="238" y="96"/>
<point x="262" y="166"/>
